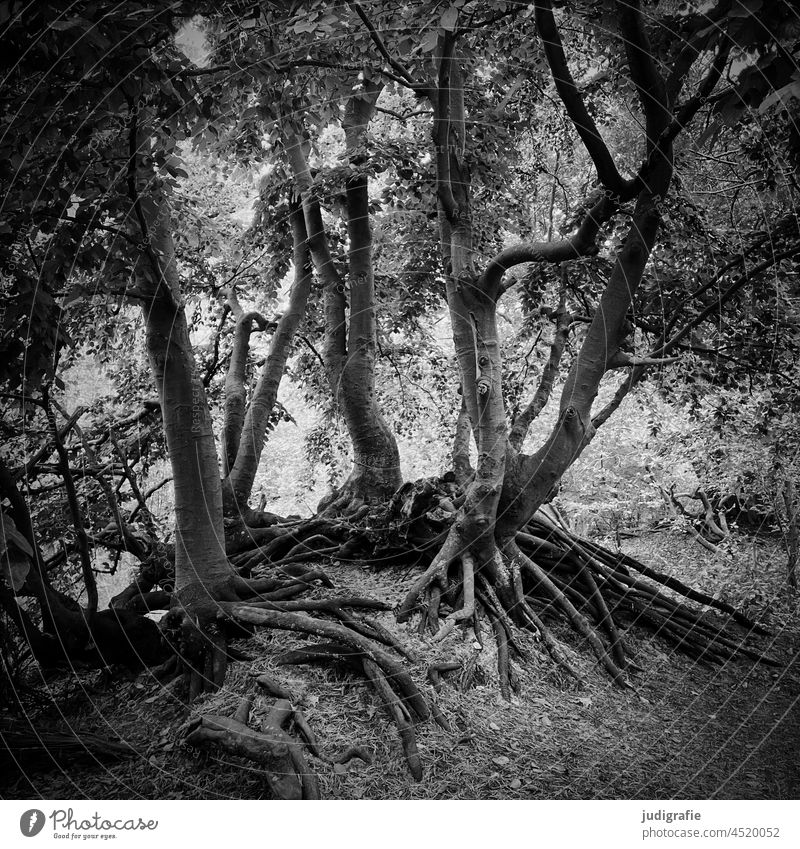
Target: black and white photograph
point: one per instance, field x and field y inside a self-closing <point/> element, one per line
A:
<point x="400" y="401"/>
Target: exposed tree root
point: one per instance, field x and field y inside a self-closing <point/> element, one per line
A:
<point x="468" y="610"/>
<point x="281" y="756"/>
<point x="355" y="643"/>
<point x="398" y="712"/>
<point x="543" y="573"/>
<point x="547" y="568"/>
<point x="436" y="670"/>
<point x="351" y="640"/>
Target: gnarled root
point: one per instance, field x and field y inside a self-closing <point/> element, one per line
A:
<point x="468" y="609"/>
<point x="398" y="712"/>
<point x="281" y="756"/>
<point x="436" y="573"/>
<point x="356" y="643"/>
<point x="394" y="687"/>
<point x="547" y="569"/>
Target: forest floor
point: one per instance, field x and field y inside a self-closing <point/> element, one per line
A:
<point x="688" y="731"/>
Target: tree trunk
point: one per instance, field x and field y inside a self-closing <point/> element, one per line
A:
<point x="59" y="612"/>
<point x="508" y="487"/>
<point x="350" y="346"/>
<point x="376" y="460"/>
<point x="200" y="560"/>
<point x="462" y="467"/>
<point x="531" y="478"/>
<point x="238" y="485"/>
<point x="235" y="390"/>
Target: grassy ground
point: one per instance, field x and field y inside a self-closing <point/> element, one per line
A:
<point x="688" y="731"/>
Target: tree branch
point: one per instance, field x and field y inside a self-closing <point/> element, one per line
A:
<point x="581" y="244"/>
<point x="645" y="76"/>
<point x="379" y="43"/>
<point x="441" y="132"/>
<point x="335" y="349"/>
<point x="732" y="289"/>
<point x="522" y="422"/>
<point x="662" y="348"/>
<point x="471" y="27"/>
<point x="689" y="109"/>
<point x="623" y="360"/>
<point x="575" y="106"/>
<point x="74" y="507"/>
<point x="235" y="395"/>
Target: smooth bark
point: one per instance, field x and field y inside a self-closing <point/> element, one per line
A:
<point x="200" y="559"/>
<point x="238" y="485"/>
<point x="349" y="349"/>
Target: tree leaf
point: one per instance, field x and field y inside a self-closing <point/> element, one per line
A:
<point x="10" y="534"/>
<point x="449" y="19"/>
<point x="429" y="42"/>
<point x="15" y="553"/>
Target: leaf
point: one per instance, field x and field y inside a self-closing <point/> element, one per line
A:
<point x="10" y="534"/>
<point x="501" y="760"/>
<point x="15" y="568"/>
<point x="173" y="166"/>
<point x="428" y="44"/>
<point x="449" y="19"/>
<point x="71" y="23"/>
<point x="16" y="563"/>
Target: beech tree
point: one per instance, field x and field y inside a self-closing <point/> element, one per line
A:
<point x="354" y="113"/>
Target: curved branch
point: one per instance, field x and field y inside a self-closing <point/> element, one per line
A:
<point x="575" y="106"/>
<point x="235" y="395"/>
<point x="74" y="507"/>
<point x="253" y="433"/>
<point x="649" y="83"/>
<point x="522" y="422"/>
<point x="581" y="244"/>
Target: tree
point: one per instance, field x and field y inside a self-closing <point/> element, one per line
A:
<point x="351" y="126"/>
